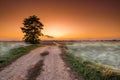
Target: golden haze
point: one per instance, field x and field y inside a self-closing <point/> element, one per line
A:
<point x="76" y="19"/>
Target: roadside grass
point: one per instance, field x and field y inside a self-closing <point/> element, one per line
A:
<point x="63" y="55"/>
<point x="14" y="54"/>
<point x="89" y="70"/>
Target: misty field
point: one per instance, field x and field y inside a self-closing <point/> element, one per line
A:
<point x="5" y="47"/>
<point x="107" y="54"/>
<point x="95" y="60"/>
<point x="10" y="51"/>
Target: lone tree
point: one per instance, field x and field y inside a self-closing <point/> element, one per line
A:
<point x="32" y="29"/>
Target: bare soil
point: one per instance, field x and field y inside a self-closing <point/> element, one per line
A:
<point x="53" y="67"/>
<point x="19" y="69"/>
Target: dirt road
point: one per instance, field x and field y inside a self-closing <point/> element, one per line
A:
<point x="53" y="69"/>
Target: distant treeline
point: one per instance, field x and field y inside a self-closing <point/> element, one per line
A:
<point x="113" y="40"/>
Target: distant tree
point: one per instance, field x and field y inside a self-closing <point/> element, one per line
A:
<point x="32" y="29"/>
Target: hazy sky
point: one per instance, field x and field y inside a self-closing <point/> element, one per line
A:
<point x="63" y="19"/>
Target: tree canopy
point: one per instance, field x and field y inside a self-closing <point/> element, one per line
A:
<point x="32" y="29"/>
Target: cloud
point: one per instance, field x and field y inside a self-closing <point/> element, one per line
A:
<point x="48" y="36"/>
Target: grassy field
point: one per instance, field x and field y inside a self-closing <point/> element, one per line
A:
<point x="102" y="53"/>
<point x="12" y="51"/>
<point x="5" y="47"/>
<point x="92" y="60"/>
<point x="95" y="61"/>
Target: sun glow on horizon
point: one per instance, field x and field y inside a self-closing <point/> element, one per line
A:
<point x="56" y="30"/>
<point x="83" y="20"/>
<point x="55" y="33"/>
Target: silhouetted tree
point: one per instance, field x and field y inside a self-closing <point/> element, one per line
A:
<point x="32" y="29"/>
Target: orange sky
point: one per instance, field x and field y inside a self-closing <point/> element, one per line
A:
<point x="63" y="19"/>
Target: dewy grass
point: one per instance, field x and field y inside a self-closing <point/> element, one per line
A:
<point x="89" y="70"/>
<point x="14" y="54"/>
<point x="104" y="53"/>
